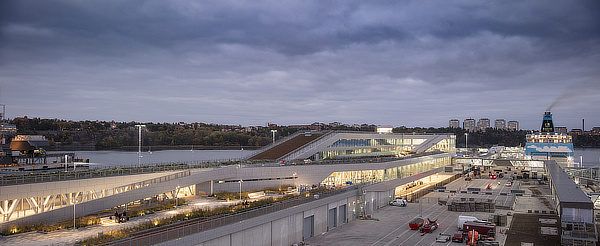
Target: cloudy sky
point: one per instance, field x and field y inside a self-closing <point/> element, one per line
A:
<point x="401" y="63"/>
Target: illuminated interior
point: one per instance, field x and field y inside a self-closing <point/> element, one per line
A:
<point x="342" y="178"/>
<point x="549" y="138"/>
<point x="381" y="147"/>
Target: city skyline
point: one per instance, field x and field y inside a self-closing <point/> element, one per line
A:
<point x="413" y="64"/>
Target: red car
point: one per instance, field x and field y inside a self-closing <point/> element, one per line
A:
<point x="458" y="237"/>
<point x="416" y="223"/>
<point x="430" y="226"/>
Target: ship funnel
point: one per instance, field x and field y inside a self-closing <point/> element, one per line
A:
<point x="547" y="124"/>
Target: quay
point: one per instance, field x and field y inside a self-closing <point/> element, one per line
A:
<point x="362" y="172"/>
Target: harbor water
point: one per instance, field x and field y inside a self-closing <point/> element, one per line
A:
<point x="113" y="158"/>
<point x="109" y="158"/>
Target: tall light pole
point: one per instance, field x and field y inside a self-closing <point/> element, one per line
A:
<point x="74" y="202"/>
<point x="273" y="131"/>
<point x="466" y="140"/>
<point x="294" y="179"/>
<point x="175" y="195"/>
<point x="241" y="189"/>
<point x="140" y="144"/>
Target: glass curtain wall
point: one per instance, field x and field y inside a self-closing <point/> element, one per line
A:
<point x="348" y="177"/>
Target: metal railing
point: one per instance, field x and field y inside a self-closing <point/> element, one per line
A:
<point x="295" y="153"/>
<point x="358" y="160"/>
<point x="28" y="178"/>
<point x="153" y="181"/>
<point x="186" y="228"/>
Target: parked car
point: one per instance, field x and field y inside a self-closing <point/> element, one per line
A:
<point x="429" y="227"/>
<point x="416" y="223"/>
<point x="458" y="237"/>
<point x="398" y="202"/>
<point x="443" y="238"/>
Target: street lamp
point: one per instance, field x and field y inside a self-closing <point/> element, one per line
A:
<point x="294" y="179"/>
<point x="140" y="144"/>
<point x="273" y="131"/>
<point x="74" y="202"/>
<point x="241" y="189"/>
<point x="175" y="195"/>
<point x="466" y="140"/>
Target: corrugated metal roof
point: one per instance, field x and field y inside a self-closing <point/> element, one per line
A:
<point x="568" y="193"/>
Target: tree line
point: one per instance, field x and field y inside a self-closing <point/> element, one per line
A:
<point x="114" y="135"/>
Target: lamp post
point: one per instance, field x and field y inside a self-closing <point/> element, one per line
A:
<point x="140" y="144"/>
<point x="294" y="179"/>
<point x="466" y="140"/>
<point x="273" y="131"/>
<point x="241" y="189"/>
<point x="175" y="195"/>
<point x="74" y="202"/>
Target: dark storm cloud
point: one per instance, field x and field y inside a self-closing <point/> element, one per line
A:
<point x="248" y="62"/>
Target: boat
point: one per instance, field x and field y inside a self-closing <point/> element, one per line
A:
<point x="550" y="145"/>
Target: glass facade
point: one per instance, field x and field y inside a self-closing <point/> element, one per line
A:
<point x="382" y="147"/>
<point x="341" y="178"/>
<point x="376" y="142"/>
<point x="446" y="145"/>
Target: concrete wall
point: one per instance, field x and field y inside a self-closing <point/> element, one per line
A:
<point x="286" y="227"/>
<point x="279" y="228"/>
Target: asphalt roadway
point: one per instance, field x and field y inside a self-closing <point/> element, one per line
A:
<point x="390" y="224"/>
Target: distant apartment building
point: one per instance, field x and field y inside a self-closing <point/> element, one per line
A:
<point x="500" y="124"/>
<point x="454" y="123"/>
<point x="469" y="125"/>
<point x="513" y="125"/>
<point x="595" y="131"/>
<point x="576" y="132"/>
<point x="483" y="124"/>
<point x="560" y="129"/>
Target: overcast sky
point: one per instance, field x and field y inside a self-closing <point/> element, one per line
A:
<point x="400" y="63"/>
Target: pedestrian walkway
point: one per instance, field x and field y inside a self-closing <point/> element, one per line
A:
<point x="71" y="236"/>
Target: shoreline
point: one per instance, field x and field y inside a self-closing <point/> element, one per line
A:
<point x="156" y="148"/>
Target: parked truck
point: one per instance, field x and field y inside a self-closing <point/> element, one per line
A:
<point x="484" y="229"/>
<point x="462" y="219"/>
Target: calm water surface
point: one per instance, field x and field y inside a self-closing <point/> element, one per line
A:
<point x="130" y="158"/>
<point x="591" y="156"/>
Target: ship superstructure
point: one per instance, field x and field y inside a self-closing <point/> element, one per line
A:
<point x="550" y="145"/>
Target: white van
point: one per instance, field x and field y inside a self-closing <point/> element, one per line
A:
<point x="399" y="202"/>
<point x="462" y="219"/>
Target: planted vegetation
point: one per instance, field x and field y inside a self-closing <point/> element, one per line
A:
<point x="89" y="220"/>
<point x="193" y="214"/>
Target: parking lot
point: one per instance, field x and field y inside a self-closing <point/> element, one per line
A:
<point x="390" y="224"/>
